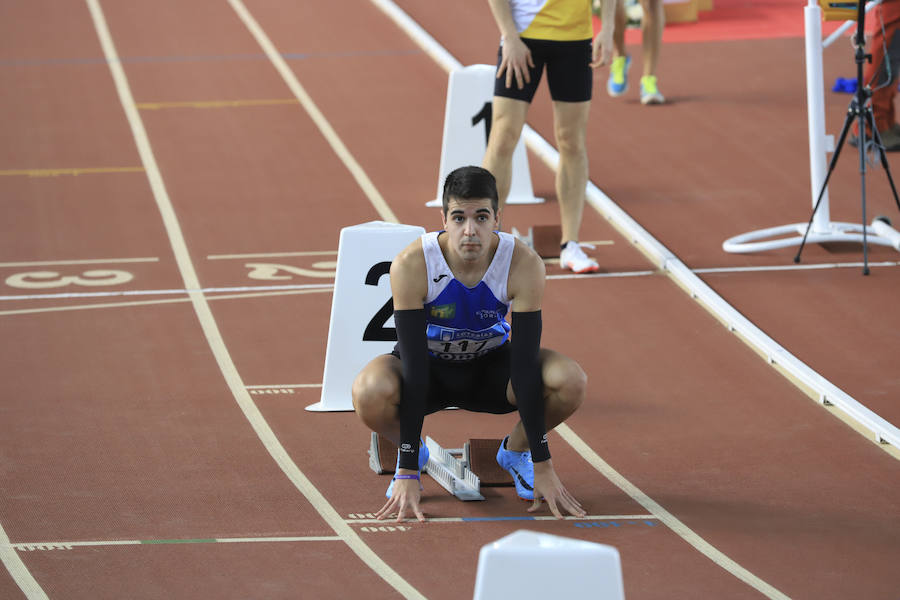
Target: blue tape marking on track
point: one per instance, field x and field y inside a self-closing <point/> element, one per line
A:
<point x="615" y="523"/>
<point x="475" y="519"/>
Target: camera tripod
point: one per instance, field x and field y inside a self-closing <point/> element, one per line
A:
<point x="860" y="110"/>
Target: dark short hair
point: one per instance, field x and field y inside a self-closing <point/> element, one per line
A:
<point x="468" y="183"/>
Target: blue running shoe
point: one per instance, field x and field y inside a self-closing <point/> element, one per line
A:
<point x="423" y="460"/>
<point x="617" y="84"/>
<point x="520" y="467"/>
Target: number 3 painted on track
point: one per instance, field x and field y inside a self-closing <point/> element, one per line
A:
<point x="52" y="279"/>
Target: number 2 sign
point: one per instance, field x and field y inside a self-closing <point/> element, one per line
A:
<point x="361" y="306"/>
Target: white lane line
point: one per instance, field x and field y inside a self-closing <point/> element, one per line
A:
<point x="89" y="261"/>
<point x="29" y="311"/>
<point x="318" y="118"/>
<point x="271" y="255"/>
<point x="603" y="275"/>
<point x="793" y="267"/>
<point x="38" y="546"/>
<point x="330" y="286"/>
<point x="212" y="290"/>
<point x="17" y="569"/>
<point x="291" y="385"/>
<point x="667" y="518"/>
<point x="482" y="520"/>
<point x="210" y="328"/>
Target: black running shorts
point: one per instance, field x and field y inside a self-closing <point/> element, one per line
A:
<point x="478" y="385"/>
<point x="569" y="73"/>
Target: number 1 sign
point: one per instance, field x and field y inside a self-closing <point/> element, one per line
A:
<point x="360" y="307"/>
<point x="467" y="125"/>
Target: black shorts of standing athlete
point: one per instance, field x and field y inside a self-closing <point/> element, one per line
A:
<point x="477" y="385"/>
<point x="569" y="73"/>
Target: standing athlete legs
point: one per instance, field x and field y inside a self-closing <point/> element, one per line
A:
<point x="506" y="128"/>
<point x="570" y="126"/>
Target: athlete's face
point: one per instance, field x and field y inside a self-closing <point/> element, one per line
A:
<point x="469" y="224"/>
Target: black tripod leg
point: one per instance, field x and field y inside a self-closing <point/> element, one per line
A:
<point x="884" y="164"/>
<point x="851" y="112"/>
<point x="866" y="120"/>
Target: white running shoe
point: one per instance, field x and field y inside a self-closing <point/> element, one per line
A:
<point x="573" y="257"/>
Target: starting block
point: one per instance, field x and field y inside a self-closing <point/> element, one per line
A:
<point x="382" y="454"/>
<point x="543" y="239"/>
<point x="451" y="473"/>
<point x="480" y="455"/>
<point x="461" y="472"/>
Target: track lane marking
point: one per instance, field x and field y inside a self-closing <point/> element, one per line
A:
<point x="59" y="545"/>
<point x="272" y="255"/>
<point x="207" y="321"/>
<point x="17" y="569"/>
<point x="470" y="520"/>
<point x="27" y="311"/>
<point x="86" y="261"/>
<point x="362" y="520"/>
<point x="315" y="114"/>
<point x="288" y="386"/>
<point x="214" y="104"/>
<point x="75" y="171"/>
<point x="169" y="292"/>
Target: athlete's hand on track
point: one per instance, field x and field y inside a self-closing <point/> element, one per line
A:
<point x="602" y="49"/>
<point x="548" y="485"/>
<point x="515" y="60"/>
<point x="407" y="493"/>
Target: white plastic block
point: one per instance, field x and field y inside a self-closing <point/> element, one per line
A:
<point x="467" y="116"/>
<point x="527" y="565"/>
<point x="361" y="325"/>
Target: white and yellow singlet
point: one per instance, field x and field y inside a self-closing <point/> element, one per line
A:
<point x="556" y="20"/>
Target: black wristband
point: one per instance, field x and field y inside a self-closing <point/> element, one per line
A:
<point x="413" y="349"/>
<point x="527" y="381"/>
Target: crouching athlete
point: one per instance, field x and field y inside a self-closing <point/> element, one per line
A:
<point x="452" y="290"/>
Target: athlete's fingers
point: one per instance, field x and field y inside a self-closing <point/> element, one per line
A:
<point x="403" y="506"/>
<point x="573" y="507"/>
<point x="521" y="75"/>
<point x="385" y="510"/>
<point x="503" y="69"/>
<point x="535" y="505"/>
<point x="553" y="508"/>
<point x="572" y="498"/>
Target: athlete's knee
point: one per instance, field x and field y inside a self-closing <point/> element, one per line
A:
<point x="374" y="396"/>
<point x="572" y="387"/>
<point x="503" y="139"/>
<point x="570" y="139"/>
